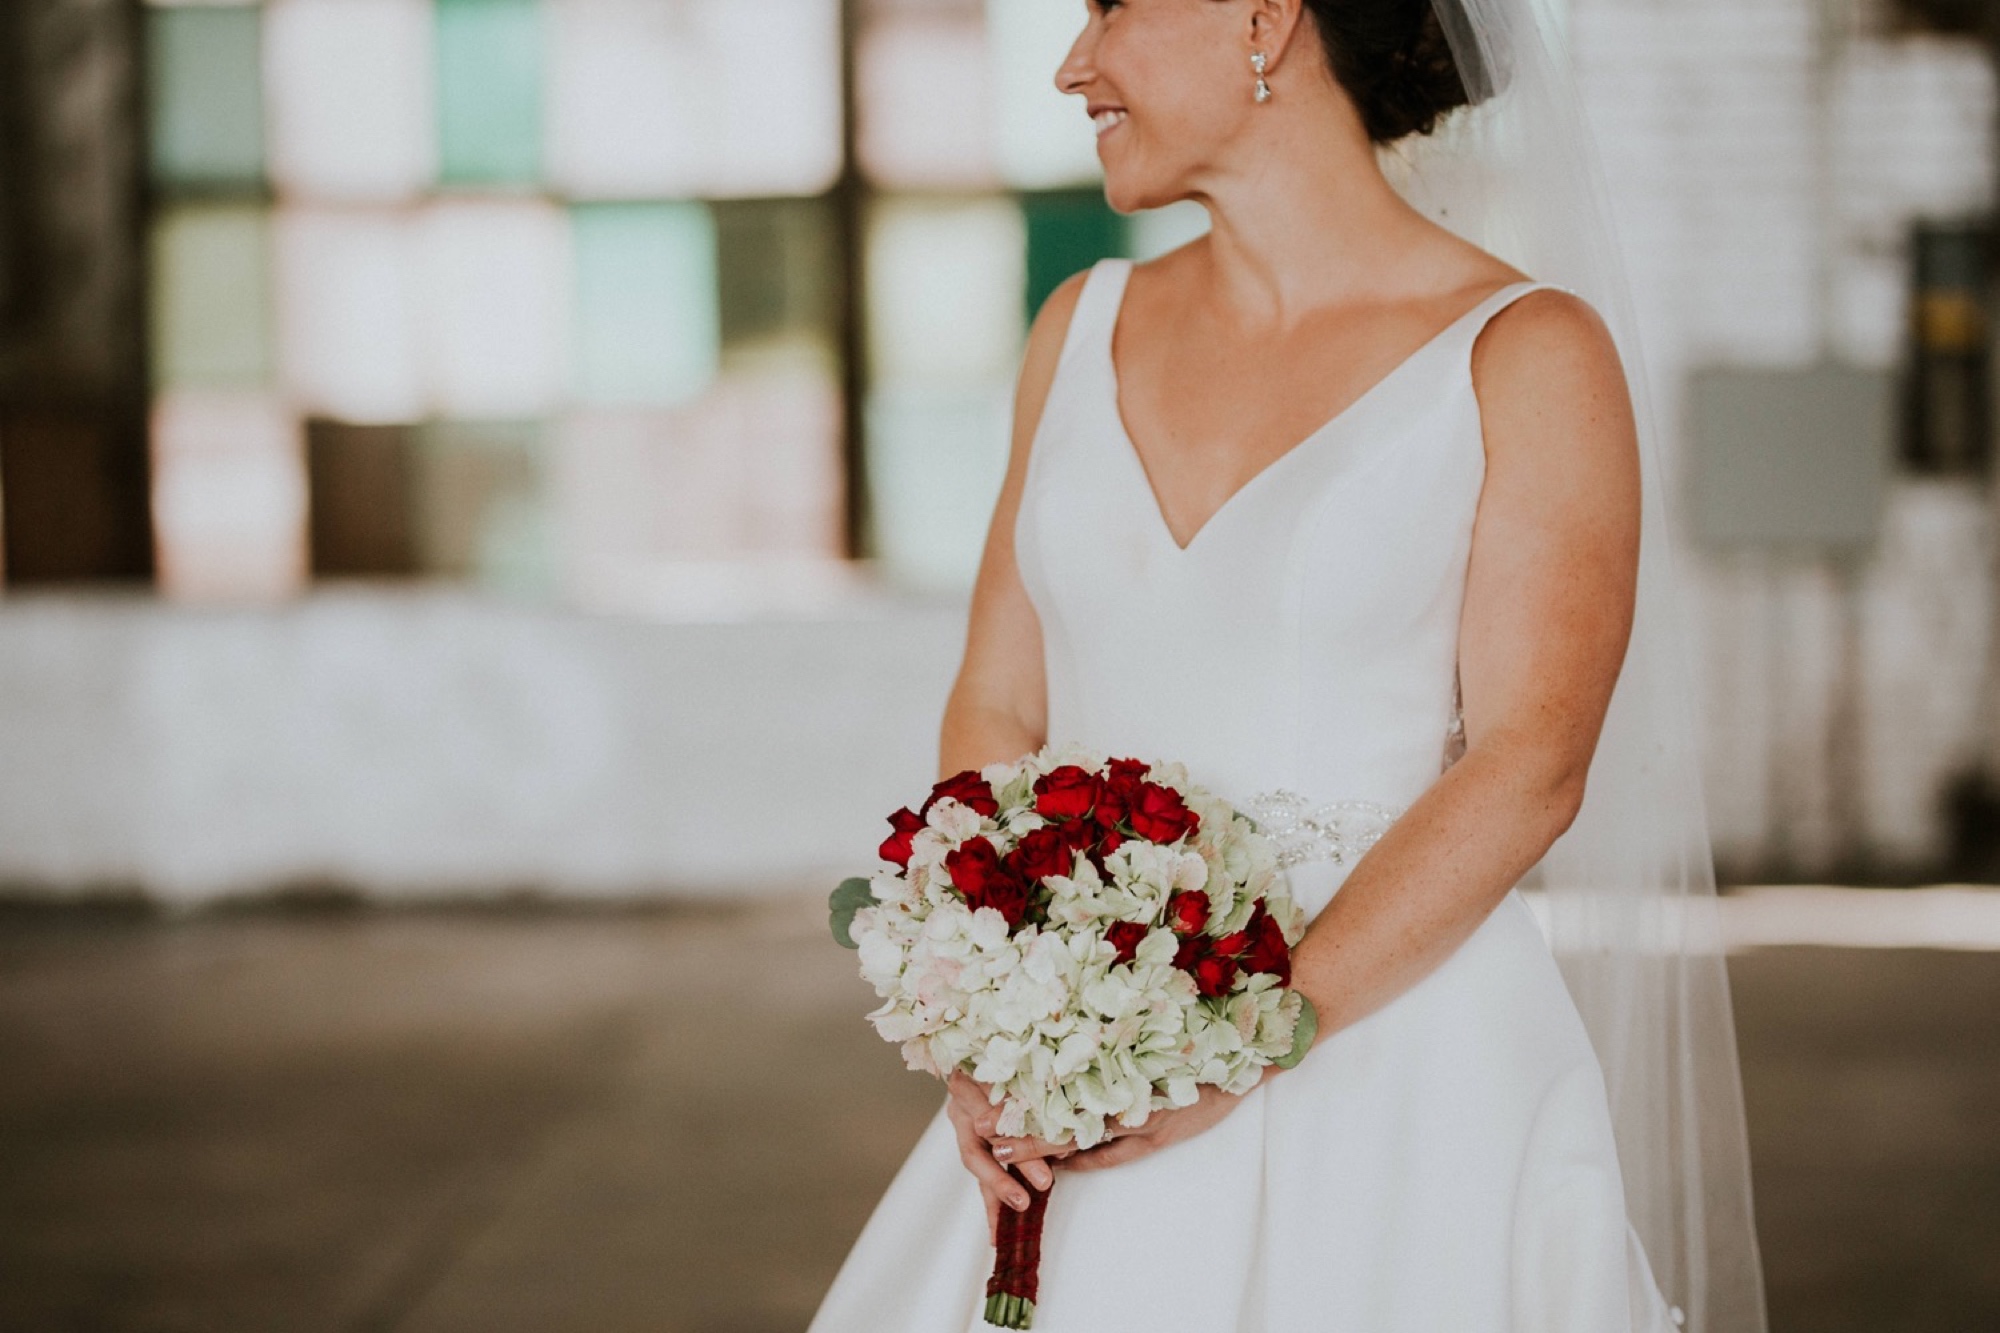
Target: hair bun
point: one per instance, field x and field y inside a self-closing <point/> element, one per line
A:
<point x="1395" y="62"/>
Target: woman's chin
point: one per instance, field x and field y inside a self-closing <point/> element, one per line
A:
<point x="1126" y="195"/>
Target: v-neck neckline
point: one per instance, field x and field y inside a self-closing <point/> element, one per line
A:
<point x="1131" y="447"/>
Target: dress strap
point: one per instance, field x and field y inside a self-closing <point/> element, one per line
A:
<point x="1477" y="318"/>
<point x="1096" y="313"/>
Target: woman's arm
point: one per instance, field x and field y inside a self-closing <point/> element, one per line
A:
<point x="1547" y="613"/>
<point x="998" y="709"/>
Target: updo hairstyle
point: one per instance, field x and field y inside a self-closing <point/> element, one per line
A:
<point x="1393" y="60"/>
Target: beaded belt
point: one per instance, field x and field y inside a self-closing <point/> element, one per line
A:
<point x="1338" y="831"/>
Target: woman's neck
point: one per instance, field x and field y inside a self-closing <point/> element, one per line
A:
<point x="1306" y="220"/>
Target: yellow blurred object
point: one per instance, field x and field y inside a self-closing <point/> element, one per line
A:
<point x="1950" y="321"/>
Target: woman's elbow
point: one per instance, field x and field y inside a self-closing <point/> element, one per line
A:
<point x="1546" y="778"/>
<point x="1566" y="798"/>
<point x="1561" y="788"/>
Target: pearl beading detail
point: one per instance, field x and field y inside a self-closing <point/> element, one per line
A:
<point x="1336" y="831"/>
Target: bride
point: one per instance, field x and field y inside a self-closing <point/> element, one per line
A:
<point x="1343" y="511"/>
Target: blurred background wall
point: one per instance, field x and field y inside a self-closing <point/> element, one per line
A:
<point x="461" y="446"/>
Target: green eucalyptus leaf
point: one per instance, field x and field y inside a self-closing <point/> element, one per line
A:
<point x="852" y="895"/>
<point x="1302" y="1035"/>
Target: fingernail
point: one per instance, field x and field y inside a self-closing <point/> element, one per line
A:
<point x="1019" y="1202"/>
<point x="1003" y="1154"/>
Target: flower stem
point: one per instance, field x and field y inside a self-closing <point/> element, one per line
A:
<point x="1010" y="1312"/>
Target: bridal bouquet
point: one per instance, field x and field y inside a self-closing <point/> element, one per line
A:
<point x="1092" y="939"/>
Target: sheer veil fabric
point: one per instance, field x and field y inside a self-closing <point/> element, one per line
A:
<point x="1629" y="890"/>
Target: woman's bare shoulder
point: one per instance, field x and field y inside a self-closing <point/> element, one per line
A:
<point x="1547" y="341"/>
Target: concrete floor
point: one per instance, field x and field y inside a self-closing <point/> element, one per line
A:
<point x="675" y="1122"/>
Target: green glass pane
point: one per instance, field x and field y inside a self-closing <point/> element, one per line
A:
<point x="211" y="297"/>
<point x="1068" y="231"/>
<point x="205" y="96"/>
<point x="481" y="504"/>
<point x="489" y="94"/>
<point x="648" y="328"/>
<point x="775" y="261"/>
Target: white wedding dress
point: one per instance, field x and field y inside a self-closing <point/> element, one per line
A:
<point x="1445" y="1165"/>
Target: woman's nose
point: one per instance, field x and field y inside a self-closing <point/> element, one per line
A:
<point x="1075" y="71"/>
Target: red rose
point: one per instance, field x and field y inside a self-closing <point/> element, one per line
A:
<point x="897" y="846"/>
<point x="1125" y="775"/>
<point x="969" y="790"/>
<point x="1125" y="936"/>
<point x="974" y="866"/>
<point x="1097" y="843"/>
<point x="1101" y="845"/>
<point x="1120" y="785"/>
<point x="1079" y="835"/>
<point x="1192" y="949"/>
<point x="1214" y="975"/>
<point x="1010" y="897"/>
<point x="1187" y="912"/>
<point x="985" y="881"/>
<point x="1232" y="944"/>
<point x="1268" y="951"/>
<point x="1068" y="792"/>
<point x="1159" y="814"/>
<point x="1042" y="853"/>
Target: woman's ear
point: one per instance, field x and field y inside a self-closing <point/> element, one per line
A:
<point x="1273" y="25"/>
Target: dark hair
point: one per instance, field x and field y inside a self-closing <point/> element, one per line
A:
<point x="1393" y="60"/>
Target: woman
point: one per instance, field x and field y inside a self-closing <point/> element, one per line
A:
<point x="1330" y="501"/>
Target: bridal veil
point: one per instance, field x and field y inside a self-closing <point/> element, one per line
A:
<point x="1629" y="890"/>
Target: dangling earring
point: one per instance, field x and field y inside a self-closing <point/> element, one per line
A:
<point x="1257" y="62"/>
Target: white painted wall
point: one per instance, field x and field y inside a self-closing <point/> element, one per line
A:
<point x="432" y="744"/>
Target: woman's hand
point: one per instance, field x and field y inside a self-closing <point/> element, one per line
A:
<point x="1162" y="1128"/>
<point x="974" y="1119"/>
<point x="1033" y="1157"/>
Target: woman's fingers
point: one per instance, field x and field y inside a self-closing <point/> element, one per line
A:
<point x="969" y="1098"/>
<point x="1031" y="1155"/>
<point x="969" y="1095"/>
<point x="990" y="1174"/>
<point x="976" y="1121"/>
<point x="1030" y="1164"/>
<point x="1115" y="1153"/>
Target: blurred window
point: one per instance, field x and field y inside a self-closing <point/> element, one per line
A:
<point x="553" y="295"/>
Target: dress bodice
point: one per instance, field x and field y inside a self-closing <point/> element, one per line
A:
<point x="1306" y="638"/>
